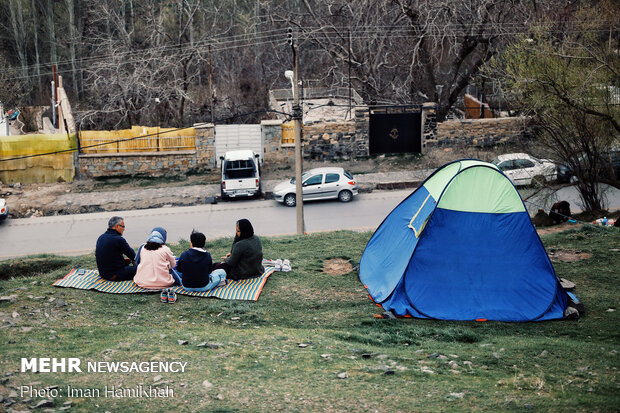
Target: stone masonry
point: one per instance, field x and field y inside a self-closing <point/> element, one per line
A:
<point x="479" y="132"/>
<point x="331" y="141"/>
<point x="321" y="141"/>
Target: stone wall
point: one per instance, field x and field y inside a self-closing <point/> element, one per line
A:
<point x="362" y="131"/>
<point x="320" y="140"/>
<point x="274" y="150"/>
<point x="168" y="163"/>
<point x="332" y="141"/>
<point x="429" y="124"/>
<point x="478" y="132"/>
<point x="205" y="146"/>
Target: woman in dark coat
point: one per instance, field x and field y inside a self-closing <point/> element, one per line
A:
<point x="246" y="256"/>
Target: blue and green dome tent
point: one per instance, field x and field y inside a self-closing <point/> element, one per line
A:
<point x="462" y="247"/>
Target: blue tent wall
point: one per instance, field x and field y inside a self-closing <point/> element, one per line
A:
<point x="493" y="267"/>
<point x="463" y="266"/>
<point x="389" y="250"/>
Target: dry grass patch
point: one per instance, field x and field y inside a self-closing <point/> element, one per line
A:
<point x="568" y="255"/>
<point x="337" y="266"/>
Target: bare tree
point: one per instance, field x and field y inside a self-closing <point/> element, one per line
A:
<point x="566" y="75"/>
<point x="51" y="31"/>
<point x="406" y="51"/>
<point x="19" y="34"/>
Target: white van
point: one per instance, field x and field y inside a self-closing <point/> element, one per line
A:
<point x="240" y="174"/>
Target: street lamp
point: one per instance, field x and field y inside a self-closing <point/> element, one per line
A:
<point x="289" y="74"/>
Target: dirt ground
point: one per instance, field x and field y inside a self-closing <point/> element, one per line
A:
<point x="31" y="200"/>
<point x="27" y="200"/>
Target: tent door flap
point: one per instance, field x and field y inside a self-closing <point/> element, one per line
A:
<point x="418" y="221"/>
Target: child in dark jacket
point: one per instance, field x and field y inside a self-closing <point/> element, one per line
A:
<point x="195" y="267"/>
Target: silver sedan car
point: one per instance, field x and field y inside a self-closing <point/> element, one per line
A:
<point x="319" y="183"/>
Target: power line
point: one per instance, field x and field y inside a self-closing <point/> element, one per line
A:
<point x="138" y="137"/>
<point x="185" y="53"/>
<point x="225" y="42"/>
<point x="159" y="49"/>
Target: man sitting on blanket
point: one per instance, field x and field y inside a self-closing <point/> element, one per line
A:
<point x="111" y="251"/>
<point x="195" y="267"/>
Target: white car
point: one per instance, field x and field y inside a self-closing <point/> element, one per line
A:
<point x="240" y="174"/>
<point x="319" y="183"/>
<point x="4" y="210"/>
<point x="524" y="169"/>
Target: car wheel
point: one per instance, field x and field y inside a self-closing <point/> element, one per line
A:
<point x="345" y="196"/>
<point x="224" y="196"/>
<point x="539" y="180"/>
<point x="290" y="200"/>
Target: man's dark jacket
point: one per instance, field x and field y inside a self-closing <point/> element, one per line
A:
<point x="195" y="266"/>
<point x="111" y="246"/>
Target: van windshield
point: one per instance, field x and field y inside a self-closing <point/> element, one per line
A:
<point x="244" y="168"/>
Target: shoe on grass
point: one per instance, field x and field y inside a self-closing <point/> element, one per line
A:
<point x="172" y="296"/>
<point x="164" y="296"/>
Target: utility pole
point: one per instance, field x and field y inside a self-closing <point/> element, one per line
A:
<point x="297" y="117"/>
<point x="349" y="114"/>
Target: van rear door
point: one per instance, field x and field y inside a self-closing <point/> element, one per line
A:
<point x="239" y="174"/>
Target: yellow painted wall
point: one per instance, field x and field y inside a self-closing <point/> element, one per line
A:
<point x="38" y="169"/>
<point x="152" y="139"/>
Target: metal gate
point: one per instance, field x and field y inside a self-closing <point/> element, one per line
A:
<point x="235" y="137"/>
<point x="395" y="130"/>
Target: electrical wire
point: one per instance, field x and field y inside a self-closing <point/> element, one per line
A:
<point x="225" y="42"/>
<point x="138" y="137"/>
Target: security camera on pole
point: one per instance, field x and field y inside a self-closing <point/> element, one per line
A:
<point x="297" y="116"/>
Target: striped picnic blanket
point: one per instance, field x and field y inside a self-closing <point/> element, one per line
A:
<point x="235" y="290"/>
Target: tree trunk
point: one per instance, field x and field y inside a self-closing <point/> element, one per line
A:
<point x="51" y="32"/>
<point x="37" y="59"/>
<point x="19" y="35"/>
<point x="72" y="42"/>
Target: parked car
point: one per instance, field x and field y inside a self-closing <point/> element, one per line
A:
<point x="524" y="169"/>
<point x="565" y="173"/>
<point x="609" y="160"/>
<point x="240" y="174"/>
<point x="319" y="183"/>
<point x="4" y="210"/>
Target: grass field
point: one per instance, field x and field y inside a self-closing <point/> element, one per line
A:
<point x="311" y="342"/>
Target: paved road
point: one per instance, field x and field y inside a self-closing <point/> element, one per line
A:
<point x="76" y="234"/>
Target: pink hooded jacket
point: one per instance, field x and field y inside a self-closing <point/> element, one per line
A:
<point x="153" y="270"/>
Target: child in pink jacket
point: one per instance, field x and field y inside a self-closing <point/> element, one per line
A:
<point x="155" y="260"/>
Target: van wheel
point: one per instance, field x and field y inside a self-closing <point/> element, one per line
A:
<point x="345" y="196"/>
<point x="290" y="200"/>
<point x="224" y="196"/>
